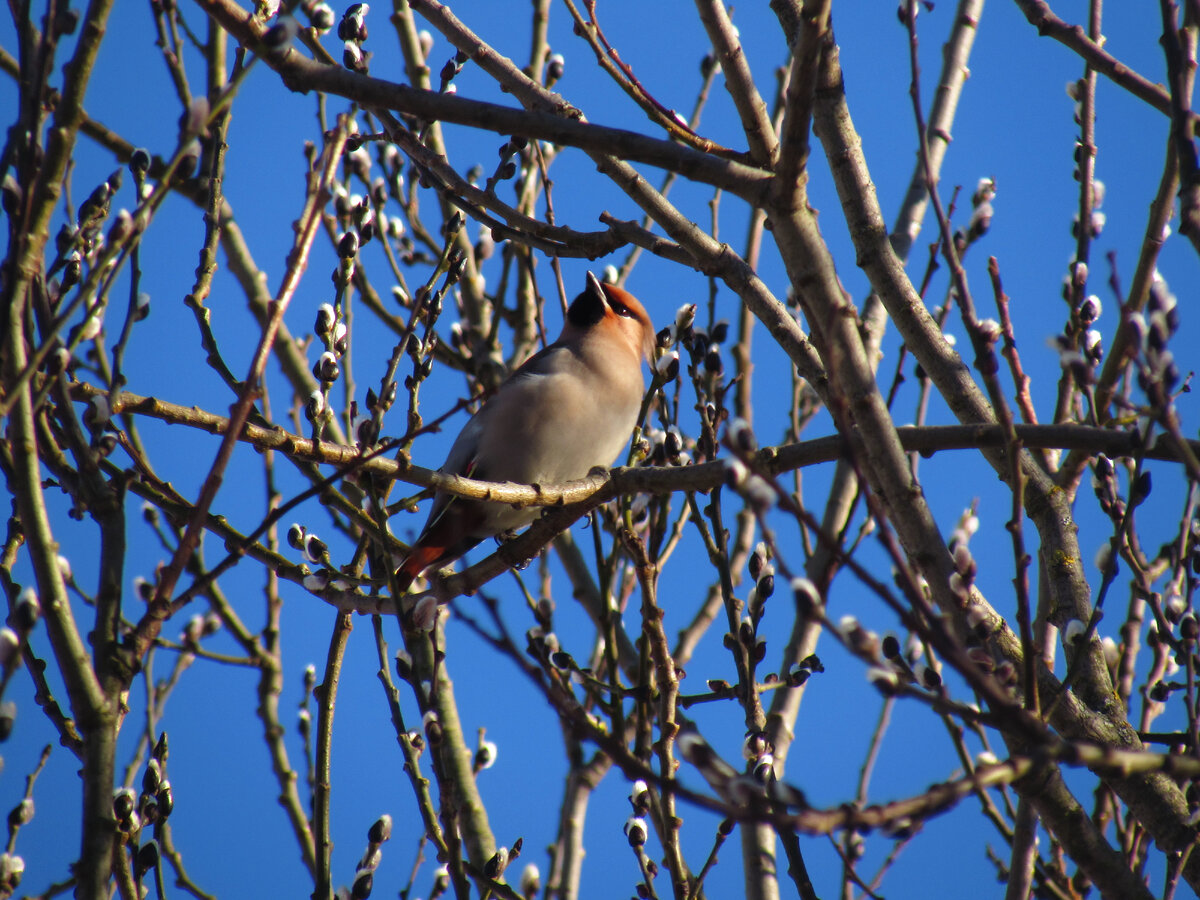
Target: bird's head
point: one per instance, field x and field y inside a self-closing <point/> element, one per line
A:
<point x="614" y="313"/>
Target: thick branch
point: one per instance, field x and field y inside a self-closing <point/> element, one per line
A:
<point x="568" y="127"/>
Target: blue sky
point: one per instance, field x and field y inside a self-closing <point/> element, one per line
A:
<point x="1015" y="125"/>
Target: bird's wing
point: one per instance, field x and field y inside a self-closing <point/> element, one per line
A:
<point x="455" y="523"/>
<point x="463" y="458"/>
<point x="547" y="361"/>
<point x="448" y="533"/>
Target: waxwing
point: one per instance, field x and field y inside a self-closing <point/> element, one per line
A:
<point x="568" y="409"/>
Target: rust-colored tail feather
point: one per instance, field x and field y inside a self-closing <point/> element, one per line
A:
<point x="446" y="537"/>
<point x="420" y="558"/>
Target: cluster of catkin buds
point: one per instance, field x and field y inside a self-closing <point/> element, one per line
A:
<point x="431" y="723"/>
<point x="495" y="867"/>
<point x="981" y="623"/>
<point x="531" y="881"/>
<point x="1074" y="633"/>
<point x="541" y="644"/>
<point x="1098" y="219"/>
<point x="315" y="550"/>
<point x="805" y="669"/>
<point x="712" y="417"/>
<point x="1073" y="358"/>
<point x="93" y="212"/>
<point x="156" y="800"/>
<point x="981" y="215"/>
<point x="363" y="226"/>
<point x="198" y="628"/>
<point x="485" y="754"/>
<point x="364" y="874"/>
<point x="139" y="167"/>
<point x="1080" y="346"/>
<point x="1107" y="490"/>
<point x="635" y="825"/>
<point x="97" y="418"/>
<point x="12" y="869"/>
<point x="320" y="14"/>
<point x="968" y="524"/>
<point x="678" y="332"/>
<point x="965" y="569"/>
<point x="740" y="437"/>
<point x="903" y="664"/>
<point x="72" y="271"/>
<point x="452" y="67"/>
<point x="365" y="430"/>
<point x="380" y="403"/>
<point x="367" y="426"/>
<point x="666" y="366"/>
<point x="659" y="447"/>
<point x="763" y="573"/>
<point x="25" y="616"/>
<point x="754" y="489"/>
<point x="13" y="637"/>
<point x="703" y="347"/>
<point x="906" y="661"/>
<point x="21" y="814"/>
<point x="807" y="598"/>
<point x="1087" y="311"/>
<point x="421" y="352"/>
<point x="1172" y="602"/>
<point x="1175" y="644"/>
<point x="510" y="153"/>
<point x="125" y="811"/>
<point x="352" y="31"/>
<point x="441" y="881"/>
<point x="747" y="637"/>
<point x="148" y="857"/>
<point x="759" y="752"/>
<point x="1157" y="373"/>
<point x="331" y="331"/>
<point x="737" y="787"/>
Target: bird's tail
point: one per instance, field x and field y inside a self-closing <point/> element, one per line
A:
<point x="447" y="536"/>
<point x="420" y="557"/>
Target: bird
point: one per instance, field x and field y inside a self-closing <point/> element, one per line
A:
<point x="566" y="410"/>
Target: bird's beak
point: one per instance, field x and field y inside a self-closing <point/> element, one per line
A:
<point x="594" y="285"/>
